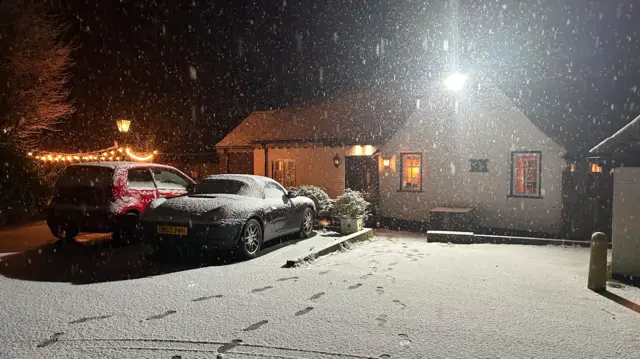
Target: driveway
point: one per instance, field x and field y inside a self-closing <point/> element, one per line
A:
<point x="395" y="296"/>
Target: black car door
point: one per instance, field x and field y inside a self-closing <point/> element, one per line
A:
<point x="277" y="210"/>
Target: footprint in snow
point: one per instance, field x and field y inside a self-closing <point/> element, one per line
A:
<point x="160" y="316"/>
<point x="303" y="311"/>
<point x="399" y="304"/>
<point x="286" y="278"/>
<point x="87" y="319"/>
<point x="365" y="276"/>
<point x="381" y="320"/>
<point x="355" y="286"/>
<point x="385" y="356"/>
<point x="232" y="344"/>
<point x="199" y="299"/>
<point x="324" y="272"/>
<point x="414" y="259"/>
<point x="255" y="326"/>
<point x="393" y="263"/>
<point x="52" y="339"/>
<point x="379" y="290"/>
<point x="404" y="340"/>
<point x="257" y="290"/>
<point x="316" y="296"/>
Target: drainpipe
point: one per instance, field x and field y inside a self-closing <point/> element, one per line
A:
<point x="266" y="160"/>
<point x="227" y="163"/>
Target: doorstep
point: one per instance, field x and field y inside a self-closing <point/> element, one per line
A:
<point x="472" y="238"/>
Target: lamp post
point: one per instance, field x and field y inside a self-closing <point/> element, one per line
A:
<point x="123" y="128"/>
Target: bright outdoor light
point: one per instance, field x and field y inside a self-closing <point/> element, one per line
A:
<point x="455" y="82"/>
<point x="123" y="125"/>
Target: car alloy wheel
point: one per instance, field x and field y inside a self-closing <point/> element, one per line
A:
<point x="252" y="238"/>
<point x="307" y="224"/>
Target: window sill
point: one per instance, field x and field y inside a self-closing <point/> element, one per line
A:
<point x="523" y="196"/>
<point x="410" y="190"/>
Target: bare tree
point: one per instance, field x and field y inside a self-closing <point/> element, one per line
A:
<point x="37" y="68"/>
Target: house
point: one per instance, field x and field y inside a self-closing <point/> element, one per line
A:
<point x="315" y="144"/>
<point x="470" y="150"/>
<point x="621" y="152"/>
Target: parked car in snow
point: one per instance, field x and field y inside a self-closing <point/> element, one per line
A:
<point x="108" y="197"/>
<point x="239" y="212"/>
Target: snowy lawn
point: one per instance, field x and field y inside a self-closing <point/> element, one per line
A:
<point x="395" y="296"/>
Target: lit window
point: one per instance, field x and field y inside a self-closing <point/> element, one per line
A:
<point x="525" y="174"/>
<point x="595" y="168"/>
<point x="411" y="172"/>
<point x="284" y="171"/>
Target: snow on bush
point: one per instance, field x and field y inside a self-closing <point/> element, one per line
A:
<point x="319" y="196"/>
<point x="351" y="204"/>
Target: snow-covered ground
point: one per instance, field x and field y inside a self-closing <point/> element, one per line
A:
<point x="393" y="297"/>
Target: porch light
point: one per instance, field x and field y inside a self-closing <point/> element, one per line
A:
<point x="455" y="81"/>
<point x="386" y="162"/>
<point x="123" y="125"/>
<point x="336" y="160"/>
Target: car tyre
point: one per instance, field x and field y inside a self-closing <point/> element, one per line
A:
<point x="65" y="231"/>
<point x="306" y="227"/>
<point x="250" y="240"/>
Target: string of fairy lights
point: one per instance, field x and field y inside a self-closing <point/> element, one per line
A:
<point x="114" y="153"/>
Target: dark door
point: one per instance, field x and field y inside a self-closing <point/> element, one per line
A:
<point x="361" y="174"/>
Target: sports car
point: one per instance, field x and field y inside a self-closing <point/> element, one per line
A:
<point x="239" y="212"/>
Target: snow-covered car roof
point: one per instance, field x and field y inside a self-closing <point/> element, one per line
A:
<point x="118" y="164"/>
<point x="254" y="183"/>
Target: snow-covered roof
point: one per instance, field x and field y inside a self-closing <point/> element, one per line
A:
<point x="368" y="117"/>
<point x="627" y="139"/>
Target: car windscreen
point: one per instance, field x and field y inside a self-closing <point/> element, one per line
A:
<point x="224" y="186"/>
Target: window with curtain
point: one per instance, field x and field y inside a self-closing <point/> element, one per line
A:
<point x="284" y="171"/>
<point x="411" y="164"/>
<point x="525" y="174"/>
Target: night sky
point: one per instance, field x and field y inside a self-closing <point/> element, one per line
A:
<point x="186" y="72"/>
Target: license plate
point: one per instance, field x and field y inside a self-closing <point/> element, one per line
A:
<point x="180" y="231"/>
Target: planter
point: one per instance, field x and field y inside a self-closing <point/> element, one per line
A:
<point x="350" y="225"/>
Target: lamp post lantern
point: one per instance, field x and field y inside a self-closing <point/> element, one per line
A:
<point x="123" y="125"/>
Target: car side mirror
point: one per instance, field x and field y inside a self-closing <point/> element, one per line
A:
<point x="292" y="194"/>
<point x="191" y="188"/>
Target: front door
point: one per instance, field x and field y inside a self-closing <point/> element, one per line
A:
<point x="361" y="174"/>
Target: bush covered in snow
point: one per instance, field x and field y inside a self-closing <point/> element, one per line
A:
<point x="351" y="204"/>
<point x="319" y="196"/>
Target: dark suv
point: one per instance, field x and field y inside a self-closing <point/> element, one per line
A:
<point x="108" y="197"/>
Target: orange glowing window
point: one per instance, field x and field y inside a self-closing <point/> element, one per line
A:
<point x="525" y="174"/>
<point x="595" y="168"/>
<point x="411" y="164"/>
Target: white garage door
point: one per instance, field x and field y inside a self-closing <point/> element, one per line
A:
<point x="626" y="221"/>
